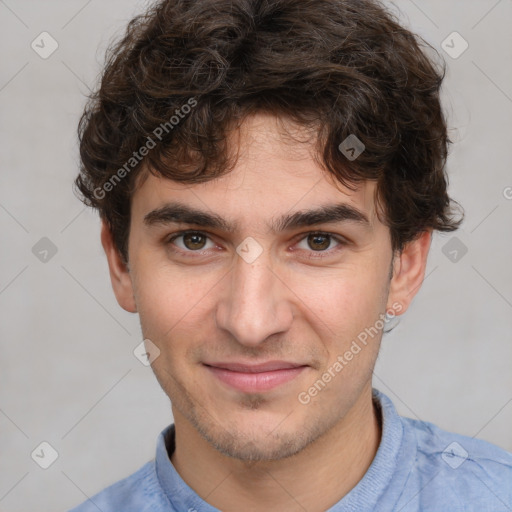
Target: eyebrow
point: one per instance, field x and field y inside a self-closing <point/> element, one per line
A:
<point x="180" y="213"/>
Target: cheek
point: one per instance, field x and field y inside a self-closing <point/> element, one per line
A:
<point x="345" y="299"/>
<point x="343" y="310"/>
<point x="170" y="302"/>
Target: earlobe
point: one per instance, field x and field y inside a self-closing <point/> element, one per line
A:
<point x="119" y="273"/>
<point x="408" y="273"/>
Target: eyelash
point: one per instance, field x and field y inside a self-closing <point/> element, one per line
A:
<point x="313" y="254"/>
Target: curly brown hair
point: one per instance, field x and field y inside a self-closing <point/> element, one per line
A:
<point x="340" y="67"/>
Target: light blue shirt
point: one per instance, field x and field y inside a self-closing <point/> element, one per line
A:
<point x="417" y="467"/>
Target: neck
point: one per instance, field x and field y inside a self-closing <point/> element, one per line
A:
<point x="314" y="479"/>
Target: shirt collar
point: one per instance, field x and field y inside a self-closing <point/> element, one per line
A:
<point x="364" y="496"/>
<point x="388" y="471"/>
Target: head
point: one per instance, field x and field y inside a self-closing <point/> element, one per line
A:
<point x="227" y="120"/>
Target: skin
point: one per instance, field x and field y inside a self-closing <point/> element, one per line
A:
<point x="266" y="451"/>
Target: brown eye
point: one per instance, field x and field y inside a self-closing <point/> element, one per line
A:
<point x="321" y="245"/>
<point x="194" y="241"/>
<point x="319" y="241"/>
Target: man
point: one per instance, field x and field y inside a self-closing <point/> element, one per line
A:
<point x="269" y="175"/>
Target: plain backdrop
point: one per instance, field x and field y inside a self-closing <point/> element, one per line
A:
<point x="68" y="373"/>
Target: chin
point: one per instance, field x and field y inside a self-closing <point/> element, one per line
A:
<point x="256" y="437"/>
<point x="258" y="449"/>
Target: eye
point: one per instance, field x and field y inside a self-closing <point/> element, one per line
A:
<point x="319" y="242"/>
<point x="193" y="241"/>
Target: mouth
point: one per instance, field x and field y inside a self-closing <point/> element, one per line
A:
<point x="255" y="377"/>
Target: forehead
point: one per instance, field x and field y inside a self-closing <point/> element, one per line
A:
<point x="275" y="172"/>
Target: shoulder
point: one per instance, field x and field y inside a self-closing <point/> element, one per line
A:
<point x="455" y="450"/>
<point x="467" y="473"/>
<point x="139" y="492"/>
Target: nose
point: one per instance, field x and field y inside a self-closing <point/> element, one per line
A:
<point x="256" y="302"/>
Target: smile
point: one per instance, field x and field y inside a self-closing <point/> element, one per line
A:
<point x="255" y="378"/>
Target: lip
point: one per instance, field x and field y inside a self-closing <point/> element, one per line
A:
<point x="267" y="366"/>
<point x="255" y="377"/>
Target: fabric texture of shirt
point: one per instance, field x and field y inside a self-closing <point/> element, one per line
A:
<point x="418" y="467"/>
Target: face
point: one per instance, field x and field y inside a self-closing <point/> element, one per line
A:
<point x="256" y="289"/>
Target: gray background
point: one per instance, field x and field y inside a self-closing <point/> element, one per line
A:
<point x="68" y="374"/>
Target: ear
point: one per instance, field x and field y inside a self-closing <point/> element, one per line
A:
<point x="408" y="272"/>
<point x="119" y="273"/>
